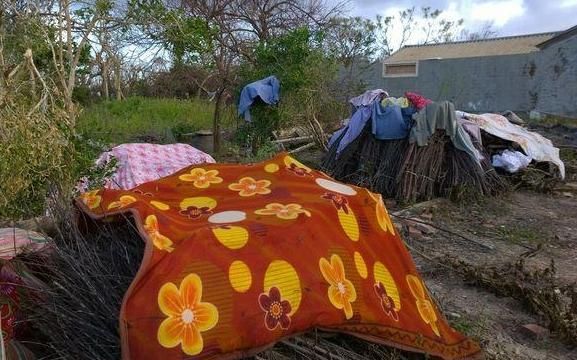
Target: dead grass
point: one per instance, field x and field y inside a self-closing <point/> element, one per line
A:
<point x="538" y="290"/>
<point x="474" y="327"/>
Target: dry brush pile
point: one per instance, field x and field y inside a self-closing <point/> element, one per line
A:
<point x="75" y="314"/>
<point x="538" y="290"/>
<point x="409" y="173"/>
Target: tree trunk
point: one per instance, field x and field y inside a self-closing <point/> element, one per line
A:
<point x="216" y="122"/>
<point x="32" y="82"/>
<point x="105" y="77"/>
<point x="118" y="79"/>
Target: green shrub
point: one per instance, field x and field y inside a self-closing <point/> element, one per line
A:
<point x="305" y="73"/>
<point x="82" y="95"/>
<point x="36" y="151"/>
<point x="40" y="155"/>
<point x="86" y="174"/>
<point x="183" y="128"/>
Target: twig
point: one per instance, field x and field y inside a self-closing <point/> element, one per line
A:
<point x="490" y="247"/>
<point x="318" y="130"/>
<point x="302" y="148"/>
<point x="34" y="70"/>
<point x="302" y="349"/>
<point x="427" y="257"/>
<point x="294" y="139"/>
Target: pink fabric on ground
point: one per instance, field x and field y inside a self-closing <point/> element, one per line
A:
<point x="141" y="163"/>
<point x="14" y="240"/>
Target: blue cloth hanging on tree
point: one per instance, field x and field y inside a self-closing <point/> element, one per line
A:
<point x="267" y="90"/>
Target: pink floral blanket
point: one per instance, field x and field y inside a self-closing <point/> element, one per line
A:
<point x="140" y="163"/>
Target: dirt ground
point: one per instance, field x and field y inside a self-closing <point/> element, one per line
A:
<point x="503" y="230"/>
<point x="534" y="226"/>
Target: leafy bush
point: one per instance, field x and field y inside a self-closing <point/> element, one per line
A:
<point x="238" y="154"/>
<point x="36" y="151"/>
<point x="41" y="156"/>
<point x="183" y="128"/>
<point x="306" y="74"/>
<point x="293" y="58"/>
<point x="82" y="95"/>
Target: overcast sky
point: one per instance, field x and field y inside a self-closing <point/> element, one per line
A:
<point x="509" y="17"/>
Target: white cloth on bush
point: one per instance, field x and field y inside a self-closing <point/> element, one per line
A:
<point x="511" y="161"/>
<point x="533" y="144"/>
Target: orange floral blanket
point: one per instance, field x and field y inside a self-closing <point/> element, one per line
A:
<point x="240" y="256"/>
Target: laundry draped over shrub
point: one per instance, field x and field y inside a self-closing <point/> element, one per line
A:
<point x="413" y="149"/>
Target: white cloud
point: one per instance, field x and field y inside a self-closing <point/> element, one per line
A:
<point x="475" y="12"/>
<point x="568" y="3"/>
<point x="393" y="11"/>
<point x="509" y="17"/>
<point x="499" y="12"/>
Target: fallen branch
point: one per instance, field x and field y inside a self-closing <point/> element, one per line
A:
<point x="293" y="139"/>
<point x="538" y="290"/>
<point x="427" y="257"/>
<point x="567" y="146"/>
<point x="302" y="148"/>
<point x="486" y="246"/>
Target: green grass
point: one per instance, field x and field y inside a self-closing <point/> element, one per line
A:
<point x="473" y="326"/>
<point x="550" y="120"/>
<point x="116" y="122"/>
<point x="517" y="234"/>
<point x="568" y="155"/>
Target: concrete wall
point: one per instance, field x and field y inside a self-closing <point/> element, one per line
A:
<point x="482" y="84"/>
<point x="545" y="81"/>
<point x="553" y="86"/>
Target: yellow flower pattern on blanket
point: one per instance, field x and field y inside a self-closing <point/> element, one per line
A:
<point x="123" y="201"/>
<point x="91" y="199"/>
<point x="425" y="307"/>
<point x="382" y="215"/>
<point x="285" y="212"/>
<point x="341" y="292"/>
<point x="187" y="315"/>
<point x="248" y="186"/>
<point x="160" y="241"/>
<point x="201" y="178"/>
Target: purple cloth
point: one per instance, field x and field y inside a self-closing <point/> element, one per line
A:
<point x="140" y="163"/>
<point x="368" y="97"/>
<point x="354" y="128"/>
<point x="471" y="128"/>
<point x="388" y="123"/>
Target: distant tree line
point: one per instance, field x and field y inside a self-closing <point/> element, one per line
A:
<point x="106" y="49"/>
